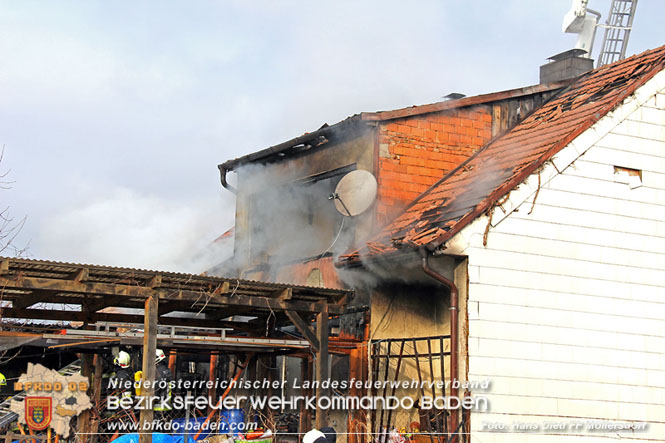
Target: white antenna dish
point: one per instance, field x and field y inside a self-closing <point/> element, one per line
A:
<point x="355" y="192"/>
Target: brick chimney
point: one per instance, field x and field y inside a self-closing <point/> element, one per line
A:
<point x="566" y="65"/>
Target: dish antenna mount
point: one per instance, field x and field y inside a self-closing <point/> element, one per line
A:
<point x="577" y="21"/>
<point x="617" y="28"/>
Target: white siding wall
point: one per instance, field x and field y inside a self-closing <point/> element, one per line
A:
<point x="567" y="304"/>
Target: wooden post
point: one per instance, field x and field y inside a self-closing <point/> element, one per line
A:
<point x="212" y="377"/>
<point x="273" y="374"/>
<point x="96" y="390"/>
<point x="261" y="374"/>
<point x="322" y="364"/>
<point x="357" y="371"/>
<point x="84" y="418"/>
<point x="305" y="414"/>
<point x="149" y="366"/>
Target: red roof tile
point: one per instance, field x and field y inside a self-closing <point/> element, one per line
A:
<point x="472" y="188"/>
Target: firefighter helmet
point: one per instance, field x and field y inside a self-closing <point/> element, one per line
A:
<point x="122" y="359"/>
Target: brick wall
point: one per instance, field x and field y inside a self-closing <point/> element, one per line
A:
<point x="415" y="152"/>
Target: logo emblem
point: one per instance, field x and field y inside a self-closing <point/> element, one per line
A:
<point x="38" y="412"/>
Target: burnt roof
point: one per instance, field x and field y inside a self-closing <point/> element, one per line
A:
<point x="477" y="184"/>
<point x="313" y="139"/>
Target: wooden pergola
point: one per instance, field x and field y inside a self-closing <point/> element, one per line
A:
<point x="89" y="294"/>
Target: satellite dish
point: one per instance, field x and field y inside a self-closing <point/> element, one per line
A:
<point x="355" y="192"/>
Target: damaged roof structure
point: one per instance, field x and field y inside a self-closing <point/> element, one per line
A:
<point x="515" y="237"/>
<point x="478" y="184"/>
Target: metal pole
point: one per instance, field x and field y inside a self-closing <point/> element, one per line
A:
<point x="399" y="363"/>
<point x="385" y="389"/>
<point x="422" y="390"/>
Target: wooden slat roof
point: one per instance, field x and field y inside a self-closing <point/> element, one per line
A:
<point x="89" y="290"/>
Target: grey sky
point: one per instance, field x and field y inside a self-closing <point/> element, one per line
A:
<point x="115" y="114"/>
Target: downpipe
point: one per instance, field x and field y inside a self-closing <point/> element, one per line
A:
<point x="222" y="178"/>
<point x="454" y="328"/>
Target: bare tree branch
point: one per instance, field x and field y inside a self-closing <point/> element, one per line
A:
<point x="10" y="228"/>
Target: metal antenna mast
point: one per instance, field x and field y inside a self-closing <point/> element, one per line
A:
<point x="617" y="31"/>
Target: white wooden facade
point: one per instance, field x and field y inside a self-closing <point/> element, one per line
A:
<point x="566" y="302"/>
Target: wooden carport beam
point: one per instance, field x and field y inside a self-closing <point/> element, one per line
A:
<point x="92" y="317"/>
<point x="224" y="313"/>
<point x="286" y="294"/>
<point x="109" y="289"/>
<point x="155" y="282"/>
<point x="27" y="301"/>
<point x="149" y="366"/>
<point x="302" y="327"/>
<point x="222" y="289"/>
<point x="46" y="314"/>
<point x="165" y="307"/>
<point x="81" y="275"/>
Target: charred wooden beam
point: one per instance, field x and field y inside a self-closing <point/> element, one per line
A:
<point x="71" y="286"/>
<point x="265" y="303"/>
<point x="222" y="289"/>
<point x="306" y="331"/>
<point x="211" y="300"/>
<point x="80" y="275"/>
<point x="286" y="294"/>
<point x="166" y="307"/>
<point x="155" y="282"/>
<point x="26" y="301"/>
<point x="82" y="316"/>
<point x="4" y="266"/>
<point x="221" y="314"/>
<point x="90" y="308"/>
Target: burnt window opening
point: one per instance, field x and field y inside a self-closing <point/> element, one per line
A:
<point x="628" y="176"/>
<point x="297" y="220"/>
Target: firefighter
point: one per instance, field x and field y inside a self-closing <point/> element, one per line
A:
<point x="123" y="378"/>
<point x="3" y="383"/>
<point x="163" y="379"/>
